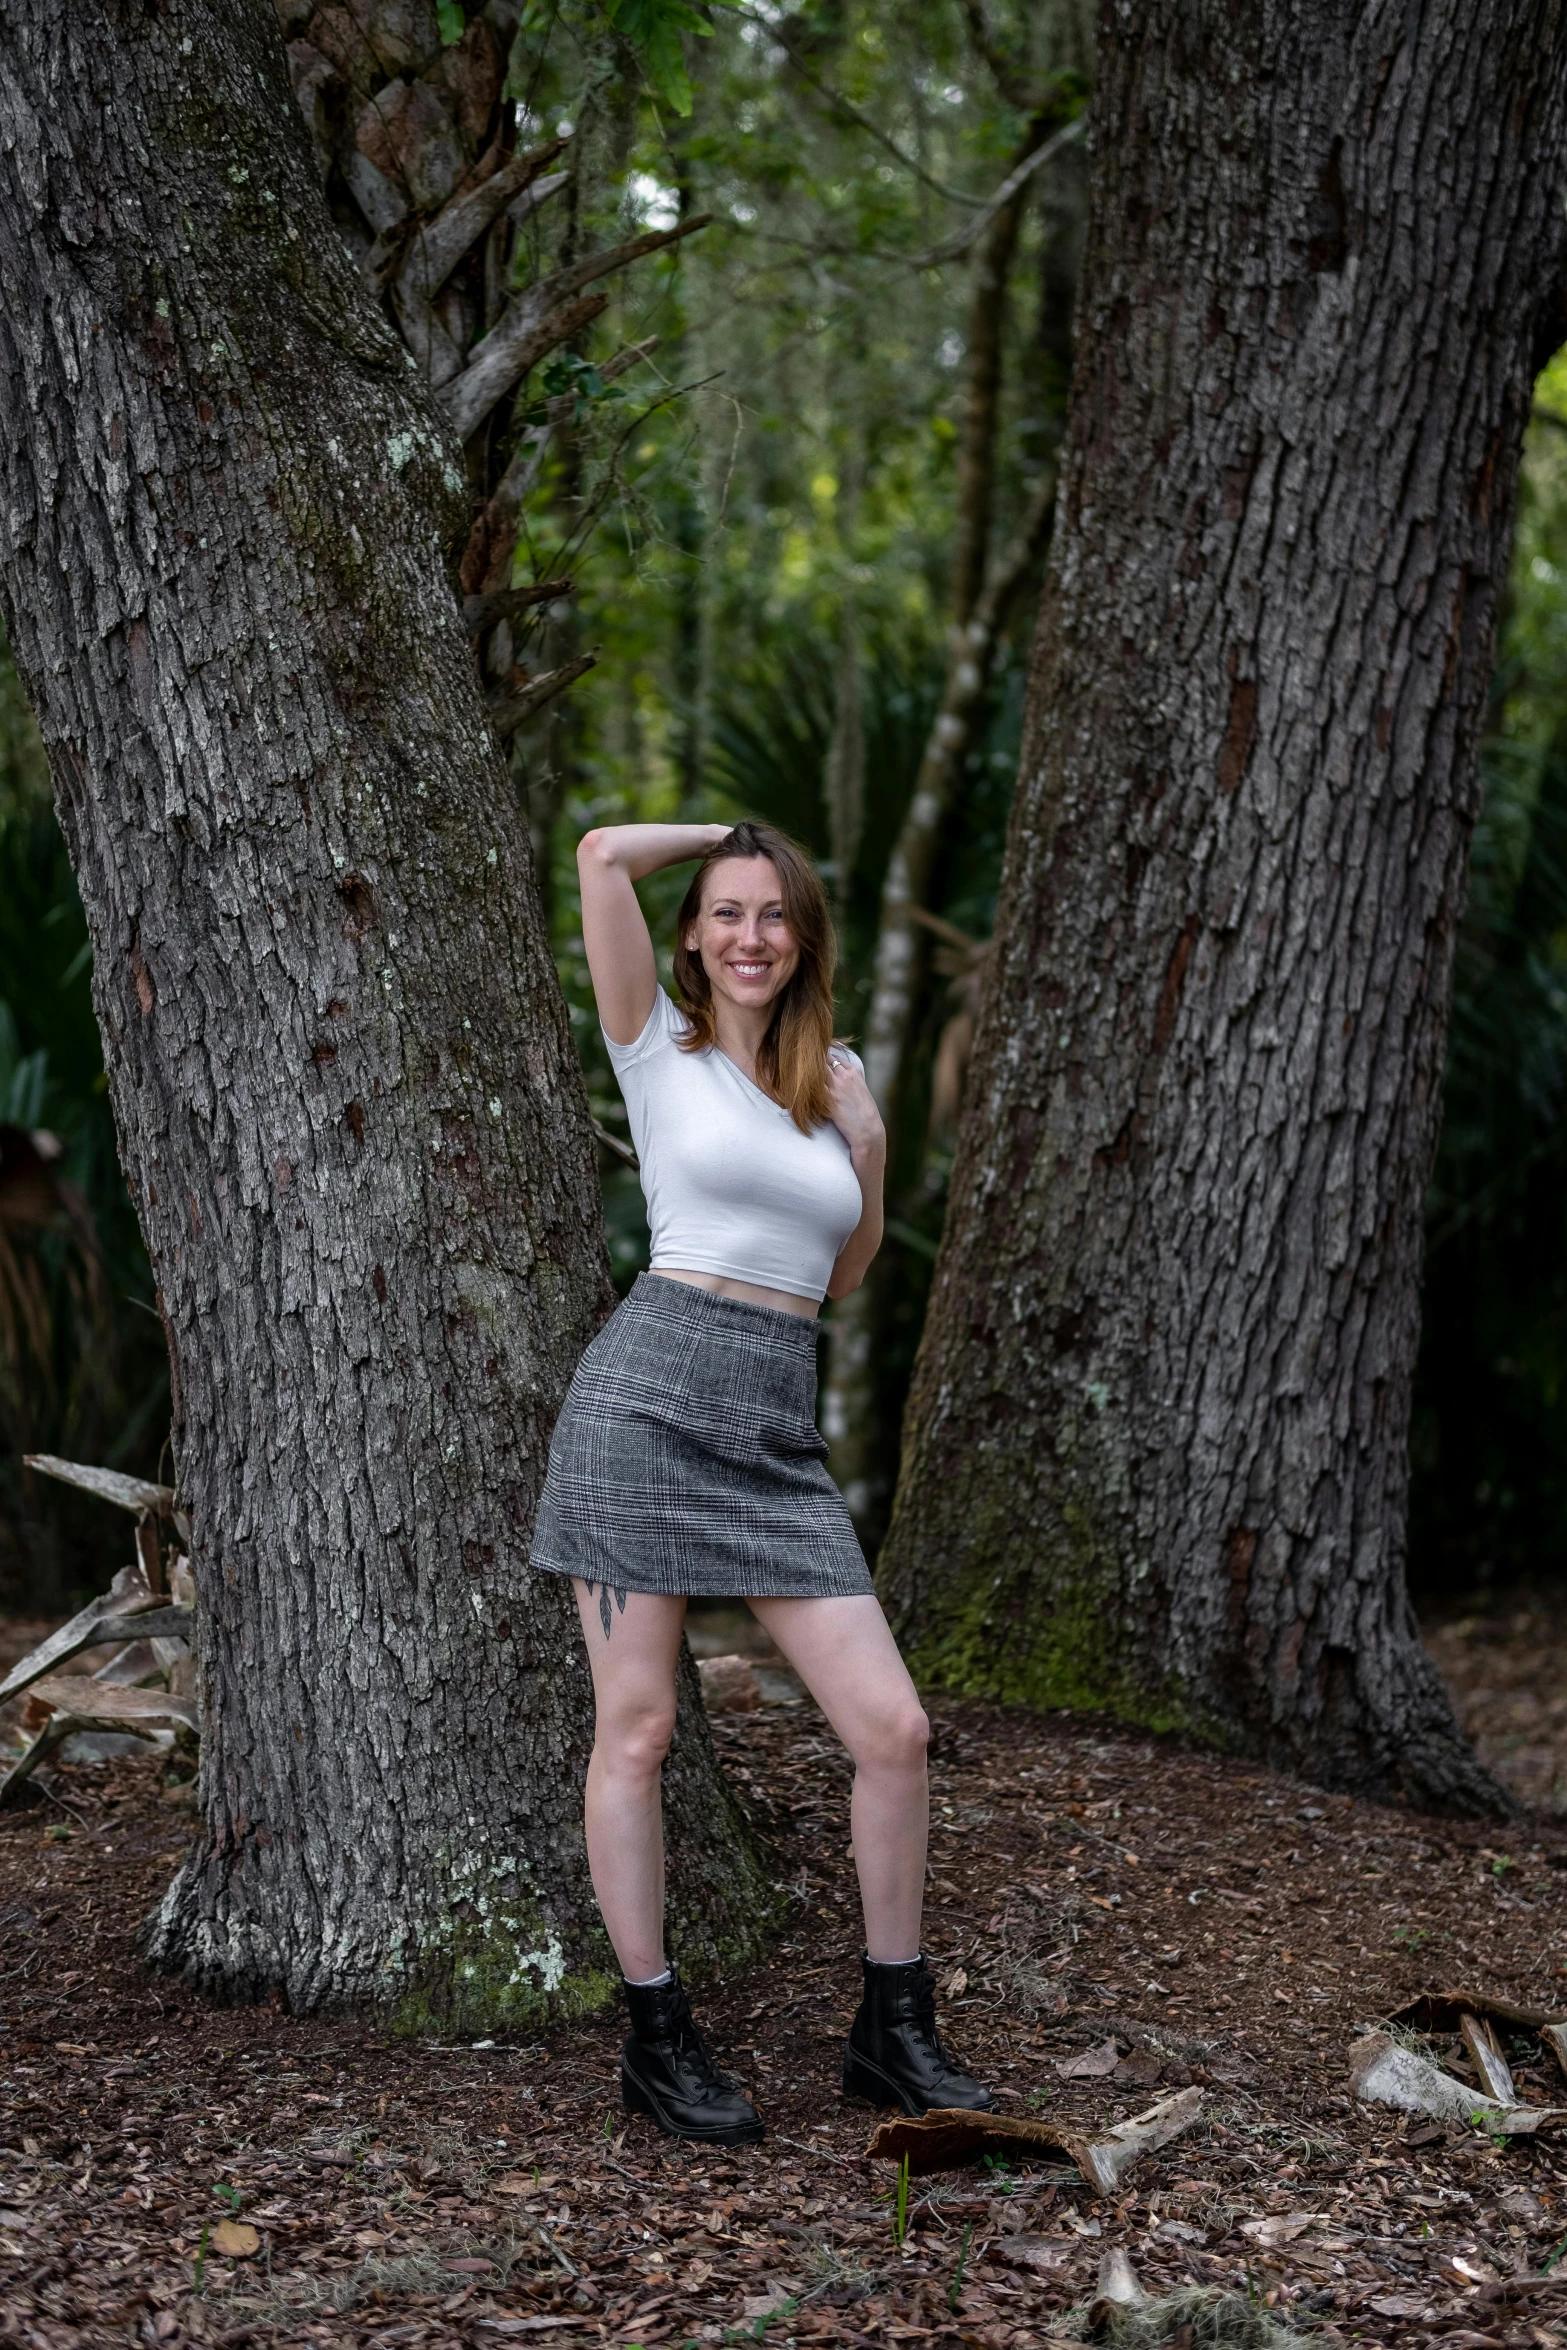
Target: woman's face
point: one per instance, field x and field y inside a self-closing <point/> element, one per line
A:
<point x="747" y="948"/>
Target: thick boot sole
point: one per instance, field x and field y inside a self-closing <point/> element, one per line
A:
<point x="871" y="2086"/>
<point x="636" y="2097"/>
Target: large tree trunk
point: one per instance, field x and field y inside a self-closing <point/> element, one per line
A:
<point x="1156" y="1447"/>
<point x="347" y="1096"/>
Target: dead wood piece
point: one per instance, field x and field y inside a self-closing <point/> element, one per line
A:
<point x="1111" y="2155"/>
<point x="1491" y="2066"/>
<point x="729" y="1685"/>
<point x="948" y="2138"/>
<point x="105" y="1705"/>
<point x="1444" y="2011"/>
<point x="152" y="1623"/>
<point x="130" y="1493"/>
<point x="1382" y="2073"/>
<point x="1119" y="2287"/>
<point x="507" y="716"/>
<point x="1555" y="2039"/>
<point x="127" y="1598"/>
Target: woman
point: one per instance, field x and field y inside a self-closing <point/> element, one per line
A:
<point x="687" y="1459"/>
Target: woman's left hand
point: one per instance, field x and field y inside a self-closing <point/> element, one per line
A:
<point x="854" y="1110"/>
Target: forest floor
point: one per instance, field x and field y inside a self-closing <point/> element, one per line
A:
<point x="171" y="2172"/>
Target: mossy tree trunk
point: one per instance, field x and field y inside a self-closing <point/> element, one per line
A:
<point x="1156" y="1447"/>
<point x="348" y="1101"/>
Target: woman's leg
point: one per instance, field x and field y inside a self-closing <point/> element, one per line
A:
<point x="633" y="1640"/>
<point x="849" y="1661"/>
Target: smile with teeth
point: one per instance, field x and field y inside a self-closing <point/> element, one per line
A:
<point x="749" y="970"/>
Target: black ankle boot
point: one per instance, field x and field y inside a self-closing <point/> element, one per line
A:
<point x="666" y="2072"/>
<point x="895" y="2056"/>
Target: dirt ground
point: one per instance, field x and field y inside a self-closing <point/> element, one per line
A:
<point x="1098" y="1899"/>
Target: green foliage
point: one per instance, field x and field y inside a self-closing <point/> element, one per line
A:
<point x="451" y="21"/>
<point x="83" y="1370"/>
<point x="1489" y="1451"/>
<point x="654" y="29"/>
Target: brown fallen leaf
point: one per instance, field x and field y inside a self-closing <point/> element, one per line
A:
<point x="1282" y="2228"/>
<point x="1048" y="2255"/>
<point x="235" y="2239"/>
<point x="511" y="2182"/>
<point x="1093" y="2064"/>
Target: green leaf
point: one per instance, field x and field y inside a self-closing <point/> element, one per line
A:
<point x="451" y="20"/>
<point x="653" y="28"/>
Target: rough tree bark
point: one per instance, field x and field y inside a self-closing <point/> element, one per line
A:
<point x="347" y="1096"/>
<point x="1156" y="1447"/>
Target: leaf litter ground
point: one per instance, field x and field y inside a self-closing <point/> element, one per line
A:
<point x="1112" y="1917"/>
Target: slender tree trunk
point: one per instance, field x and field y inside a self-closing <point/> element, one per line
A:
<point x="346" y="1092"/>
<point x="849" y="1397"/>
<point x="976" y="621"/>
<point x="1156" y="1447"/>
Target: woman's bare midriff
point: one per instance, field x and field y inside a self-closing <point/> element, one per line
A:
<point x="783" y="1301"/>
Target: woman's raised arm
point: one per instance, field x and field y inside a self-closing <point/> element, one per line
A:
<point x="614" y="933"/>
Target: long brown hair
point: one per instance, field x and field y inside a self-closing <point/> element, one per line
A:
<point x="791" y="1061"/>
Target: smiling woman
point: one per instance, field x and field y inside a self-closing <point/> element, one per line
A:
<point x="687" y="1457"/>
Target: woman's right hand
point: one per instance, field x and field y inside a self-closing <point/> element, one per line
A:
<point x="610" y="859"/>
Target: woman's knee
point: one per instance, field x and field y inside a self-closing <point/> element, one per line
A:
<point x="895" y="1740"/>
<point x="636" y="1738"/>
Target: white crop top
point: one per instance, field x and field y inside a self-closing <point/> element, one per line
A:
<point x="732" y="1185"/>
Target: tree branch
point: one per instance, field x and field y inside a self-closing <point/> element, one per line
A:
<point x="505" y="717"/>
<point x="537" y="320"/>
<point x="954" y="247"/>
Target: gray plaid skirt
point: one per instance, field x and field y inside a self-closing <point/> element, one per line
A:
<point x="687" y="1459"/>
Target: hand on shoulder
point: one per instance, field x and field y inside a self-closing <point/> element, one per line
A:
<point x="854" y="1110"/>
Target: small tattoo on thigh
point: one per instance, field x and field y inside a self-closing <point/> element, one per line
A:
<point x="605" y="1618"/>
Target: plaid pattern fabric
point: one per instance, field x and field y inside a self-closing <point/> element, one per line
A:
<point x="687" y="1459"/>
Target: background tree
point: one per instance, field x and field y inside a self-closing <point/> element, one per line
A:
<point x="338" y="1057"/>
<point x="1156" y="1448"/>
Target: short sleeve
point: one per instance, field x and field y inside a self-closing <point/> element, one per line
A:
<point x="664" y="1024"/>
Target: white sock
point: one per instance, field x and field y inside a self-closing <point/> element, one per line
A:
<point x="912" y="1960"/>
<point x="648" y="1982"/>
